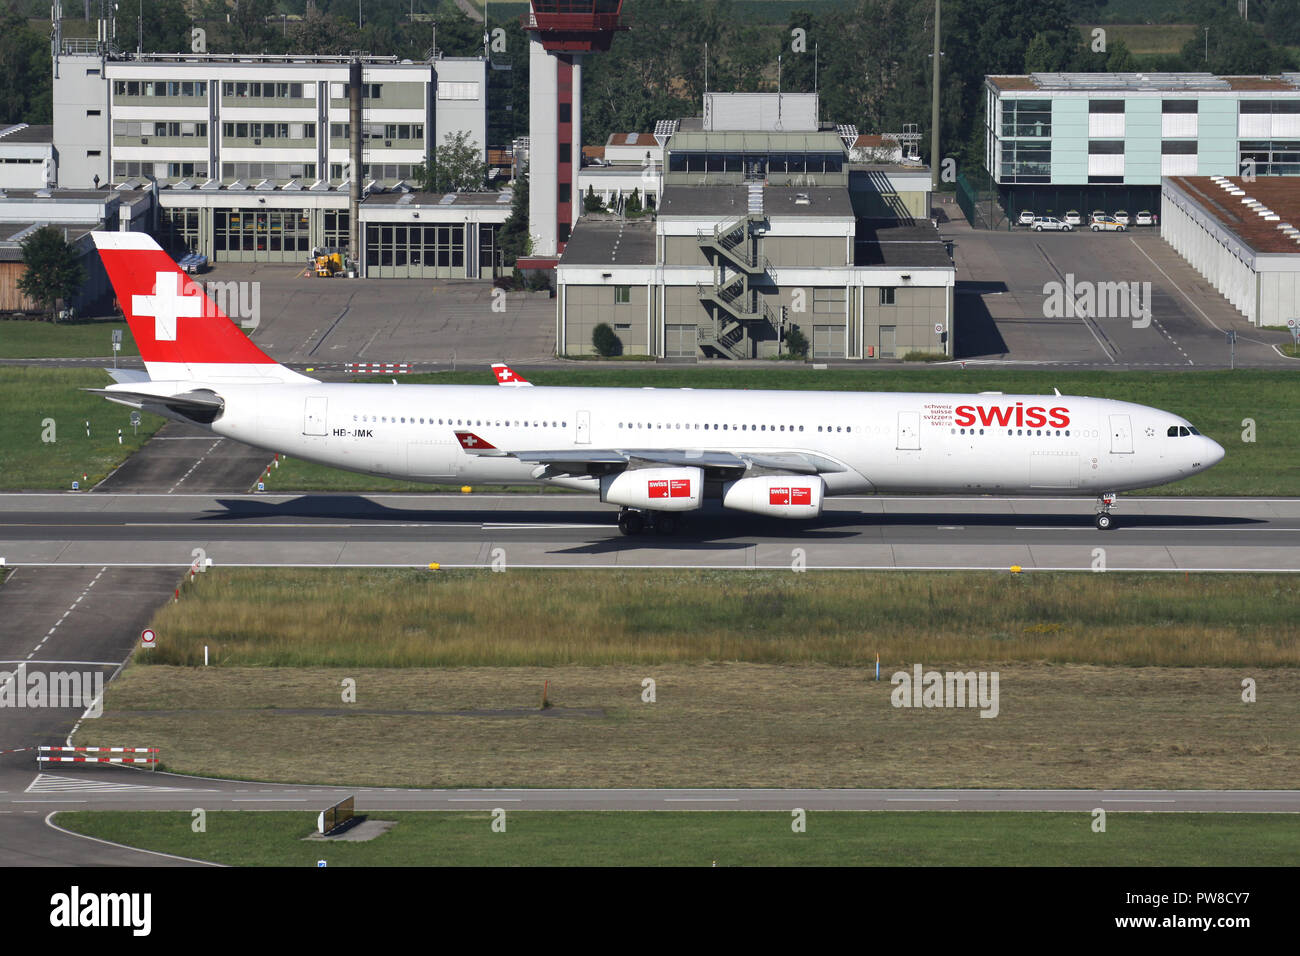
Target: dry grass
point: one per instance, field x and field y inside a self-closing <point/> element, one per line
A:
<point x="384" y="618"/>
<point x="736" y="725"/>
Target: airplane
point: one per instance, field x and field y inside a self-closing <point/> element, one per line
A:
<point x="656" y="453"/>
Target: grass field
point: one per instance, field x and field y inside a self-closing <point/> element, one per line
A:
<point x="29" y="397"/>
<point x="723" y="839"/>
<point x="25" y="339"/>
<point x="1143" y="39"/>
<point x="1216" y="402"/>
<point x="399" y="618"/>
<point x="710" y="725"/>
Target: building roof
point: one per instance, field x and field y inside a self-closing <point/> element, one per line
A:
<point x="874" y="140"/>
<point x="438" y="199"/>
<point x="728" y="201"/>
<point x="12" y="235"/>
<point x="899" y="245"/>
<point x="632" y="139"/>
<point x="757" y="141"/>
<point x="611" y="242"/>
<point x="22" y="133"/>
<point x="1141" y="82"/>
<point x="1250" y="222"/>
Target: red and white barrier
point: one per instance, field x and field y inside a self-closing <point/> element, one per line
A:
<point x="44" y="755"/>
<point x="378" y="368"/>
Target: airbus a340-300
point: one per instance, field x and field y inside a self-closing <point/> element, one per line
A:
<point x="656" y="453"/>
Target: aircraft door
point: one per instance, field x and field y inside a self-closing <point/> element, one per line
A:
<point x="313" y="416"/>
<point x="909" y="431"/>
<point x="583" y="422"/>
<point x="1121" y="435"/>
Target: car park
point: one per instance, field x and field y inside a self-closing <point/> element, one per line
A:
<point x="1144" y="218"/>
<point x="1026" y="218"/>
<point x="1051" y="222"/>
<point x="1121" y="216"/>
<point x="1106" y="224"/>
<point x="1073" y="218"/>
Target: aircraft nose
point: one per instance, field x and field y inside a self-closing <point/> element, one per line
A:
<point x="1213" y="453"/>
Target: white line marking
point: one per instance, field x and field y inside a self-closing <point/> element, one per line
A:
<point x="49" y="822"/>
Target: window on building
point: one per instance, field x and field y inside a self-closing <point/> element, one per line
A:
<point x="458" y="91"/>
<point x="887" y="295"/>
<point x="622" y="294"/>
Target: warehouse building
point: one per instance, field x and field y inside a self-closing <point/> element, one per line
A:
<point x="1058" y="141"/>
<point x="1242" y="236"/>
<point x="758" y="232"/>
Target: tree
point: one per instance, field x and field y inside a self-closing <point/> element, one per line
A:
<point x="54" y="269"/>
<point x="795" y="342"/>
<point x="591" y="202"/>
<point x="455" y="166"/>
<point x="513" y="238"/>
<point x="633" y="207"/>
<point x="604" y="341"/>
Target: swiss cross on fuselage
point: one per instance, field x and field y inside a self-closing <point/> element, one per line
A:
<point x="167" y="304"/>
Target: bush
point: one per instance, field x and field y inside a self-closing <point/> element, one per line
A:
<point x="918" y="356"/>
<point x="796" y="343"/>
<point x="604" y="341"/>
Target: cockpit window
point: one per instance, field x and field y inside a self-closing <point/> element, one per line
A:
<point x="1173" y="431"/>
<point x="1193" y="431"/>
<point x="1181" y="431"/>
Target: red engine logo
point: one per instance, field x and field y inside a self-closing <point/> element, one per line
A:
<point x="789" y="496"/>
<point x="665" y="488"/>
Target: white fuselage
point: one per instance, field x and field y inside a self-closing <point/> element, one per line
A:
<point x="885" y="441"/>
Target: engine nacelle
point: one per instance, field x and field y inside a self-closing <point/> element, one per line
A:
<point x="777" y="496"/>
<point x="655" y="489"/>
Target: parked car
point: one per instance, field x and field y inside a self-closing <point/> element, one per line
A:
<point x="1106" y="224"/>
<point x="1096" y="214"/>
<point x="1026" y="218"/>
<point x="1121" y="216"/>
<point x="1073" y="218"/>
<point x="1144" y="218"/>
<point x="1050" y="222"/>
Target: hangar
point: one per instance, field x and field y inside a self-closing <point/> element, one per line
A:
<point x="1243" y="236"/>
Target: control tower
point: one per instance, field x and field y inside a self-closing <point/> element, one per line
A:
<point x="561" y="33"/>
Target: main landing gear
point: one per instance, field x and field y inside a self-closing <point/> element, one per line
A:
<point x="632" y="521"/>
<point x="1104" y="520"/>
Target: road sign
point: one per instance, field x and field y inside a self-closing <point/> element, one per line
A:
<point x="1291" y="323"/>
<point x="148" y="638"/>
<point x="1232" y="336"/>
<point x="938" y="328"/>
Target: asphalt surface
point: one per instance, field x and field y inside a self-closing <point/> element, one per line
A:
<point x="476" y="530"/>
<point x="188" y="459"/>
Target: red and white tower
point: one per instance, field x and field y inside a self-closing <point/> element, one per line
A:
<point x="562" y="32"/>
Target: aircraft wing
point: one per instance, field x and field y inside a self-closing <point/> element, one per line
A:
<point x="595" y="460"/>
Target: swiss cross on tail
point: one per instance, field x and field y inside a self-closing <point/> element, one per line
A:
<point x="180" y="332"/>
<point x="508" y="376"/>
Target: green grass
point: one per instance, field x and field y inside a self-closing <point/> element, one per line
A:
<point x="711" y="724"/>
<point x="715" y="838"/>
<point x="1143" y="39"/>
<point x="29" y="397"/>
<point x="397" y="618"/>
<point x="20" y="338"/>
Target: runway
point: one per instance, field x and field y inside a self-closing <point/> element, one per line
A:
<point x="110" y="788"/>
<point x="574" y="531"/>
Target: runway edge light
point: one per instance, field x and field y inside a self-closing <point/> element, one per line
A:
<point x="434" y="565"/>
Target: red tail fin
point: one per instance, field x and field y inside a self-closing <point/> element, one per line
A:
<point x="181" y="333"/>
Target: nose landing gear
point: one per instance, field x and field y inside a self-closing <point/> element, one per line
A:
<point x="1104" y="520"/>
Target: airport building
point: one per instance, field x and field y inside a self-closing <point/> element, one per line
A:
<point x="1058" y="141"/>
<point x="75" y="213"/>
<point x="763" y="225"/>
<point x="1242" y="236"/>
<point x="249" y="158"/>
